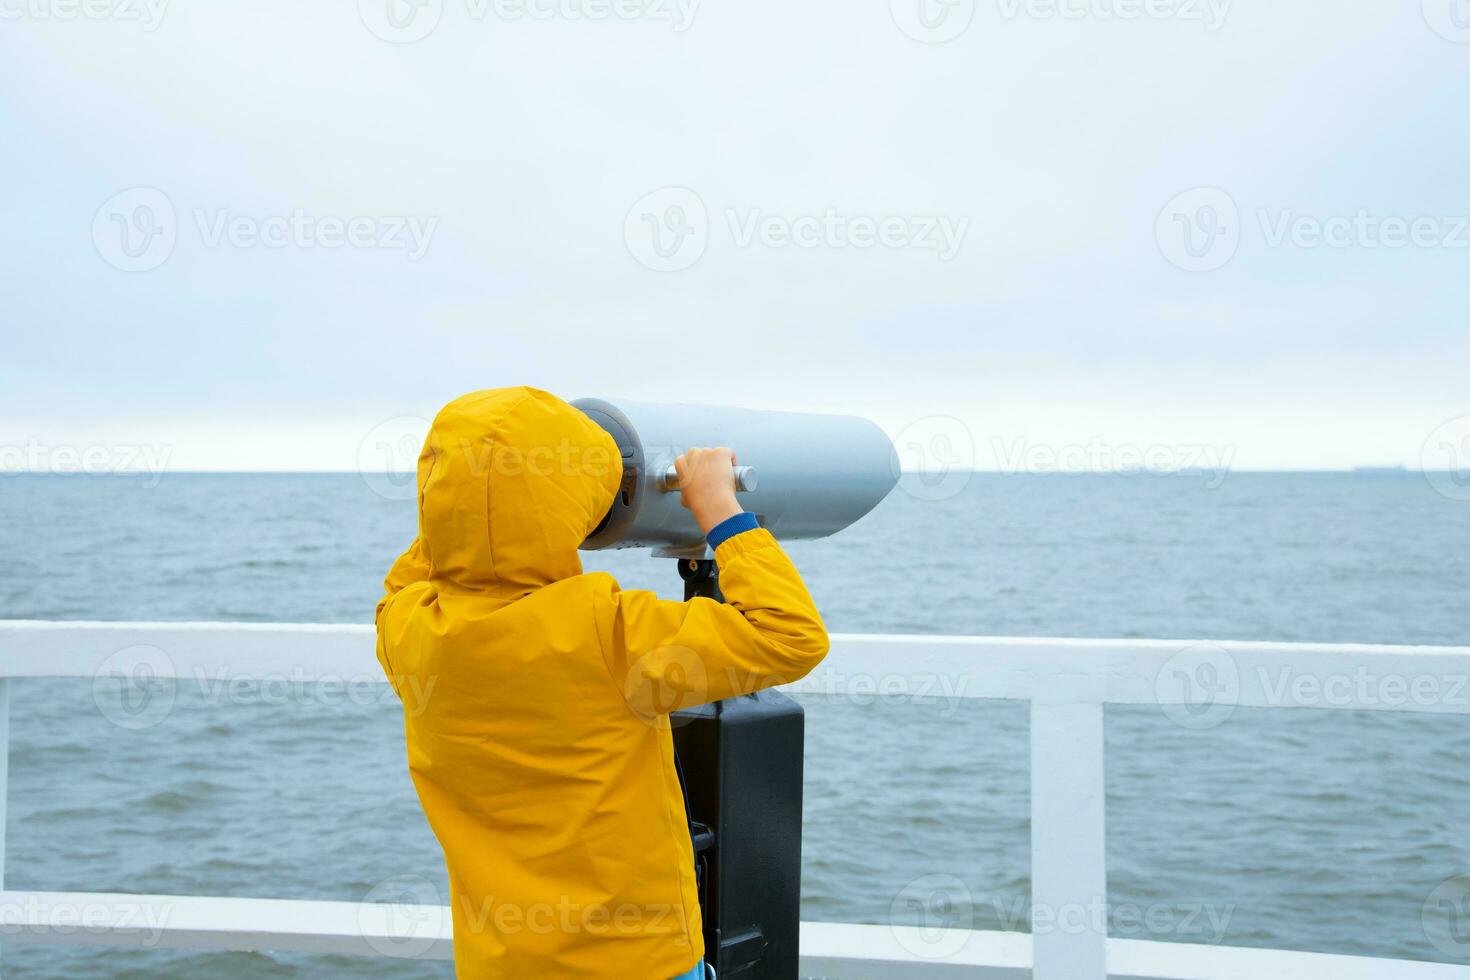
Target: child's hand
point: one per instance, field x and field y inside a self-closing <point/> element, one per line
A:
<point x="707" y="485"/>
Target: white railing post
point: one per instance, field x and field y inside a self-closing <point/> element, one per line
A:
<point x="1069" y="882"/>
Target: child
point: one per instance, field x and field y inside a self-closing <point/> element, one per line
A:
<point x="536" y="697"/>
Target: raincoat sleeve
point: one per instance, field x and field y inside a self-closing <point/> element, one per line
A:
<point x="671" y="655"/>
<point x="412" y="566"/>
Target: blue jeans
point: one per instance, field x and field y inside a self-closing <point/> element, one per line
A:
<point x="695" y="974"/>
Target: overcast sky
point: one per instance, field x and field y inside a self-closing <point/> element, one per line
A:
<point x="259" y="236"/>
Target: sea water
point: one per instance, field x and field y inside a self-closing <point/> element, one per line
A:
<point x="1300" y="829"/>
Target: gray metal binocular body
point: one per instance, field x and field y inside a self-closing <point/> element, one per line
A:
<point x="802" y="475"/>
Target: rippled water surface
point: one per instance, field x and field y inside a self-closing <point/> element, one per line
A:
<point x="1288" y="828"/>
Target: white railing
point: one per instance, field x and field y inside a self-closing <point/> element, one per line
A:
<point x="1067" y="683"/>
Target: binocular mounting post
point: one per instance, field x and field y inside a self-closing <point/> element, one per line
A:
<point x="740" y="762"/>
<point x="701" y="579"/>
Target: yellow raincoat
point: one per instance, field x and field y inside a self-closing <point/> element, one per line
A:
<point x="536" y="697"/>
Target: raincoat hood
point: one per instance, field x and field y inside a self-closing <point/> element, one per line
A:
<point x="511" y="482"/>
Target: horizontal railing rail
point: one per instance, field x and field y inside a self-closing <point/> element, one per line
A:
<point x="1066" y="681"/>
<point x="1248" y="674"/>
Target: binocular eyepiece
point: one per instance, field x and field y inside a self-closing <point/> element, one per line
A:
<point x="802" y="475"/>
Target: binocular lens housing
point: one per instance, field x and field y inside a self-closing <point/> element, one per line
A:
<point x="807" y="475"/>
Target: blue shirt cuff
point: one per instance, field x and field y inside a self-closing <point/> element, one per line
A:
<point x="731" y="526"/>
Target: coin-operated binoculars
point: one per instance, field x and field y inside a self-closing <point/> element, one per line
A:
<point x="802" y="476"/>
